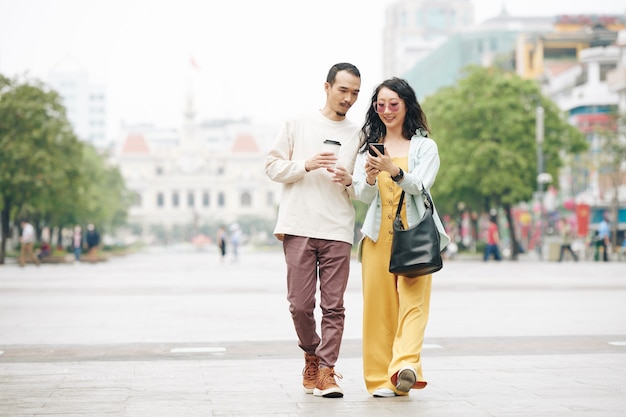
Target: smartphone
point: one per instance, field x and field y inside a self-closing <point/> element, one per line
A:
<point x="379" y="146"/>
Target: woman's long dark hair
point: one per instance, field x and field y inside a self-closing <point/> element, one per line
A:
<point x="374" y="129"/>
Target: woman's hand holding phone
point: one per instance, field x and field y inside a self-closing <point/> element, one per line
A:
<point x="379" y="147"/>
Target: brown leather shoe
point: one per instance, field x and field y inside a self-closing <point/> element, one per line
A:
<point x="309" y="373"/>
<point x="326" y="384"/>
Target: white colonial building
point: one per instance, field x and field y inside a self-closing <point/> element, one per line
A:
<point x="208" y="174"/>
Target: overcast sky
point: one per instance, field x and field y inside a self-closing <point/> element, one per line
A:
<point x="260" y="59"/>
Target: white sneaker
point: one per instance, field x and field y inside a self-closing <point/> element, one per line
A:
<point x="384" y="393"/>
<point x="406" y="378"/>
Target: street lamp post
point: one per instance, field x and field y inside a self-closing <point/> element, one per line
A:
<point x="461" y="208"/>
<point x="539" y="129"/>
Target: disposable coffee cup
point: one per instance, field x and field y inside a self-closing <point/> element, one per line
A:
<point x="332" y="146"/>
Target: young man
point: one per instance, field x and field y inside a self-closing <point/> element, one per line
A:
<point x="316" y="222"/>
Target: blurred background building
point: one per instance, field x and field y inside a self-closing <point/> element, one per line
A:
<point x="85" y="102"/>
<point x="414" y="28"/>
<point x="579" y="61"/>
<point x="192" y="180"/>
<point x="211" y="171"/>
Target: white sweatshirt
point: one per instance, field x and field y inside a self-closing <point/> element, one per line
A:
<point x="311" y="204"/>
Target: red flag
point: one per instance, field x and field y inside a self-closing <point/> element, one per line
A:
<point x="583" y="213"/>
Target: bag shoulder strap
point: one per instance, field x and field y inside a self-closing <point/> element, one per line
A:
<point x="400" y="205"/>
<point x="428" y="203"/>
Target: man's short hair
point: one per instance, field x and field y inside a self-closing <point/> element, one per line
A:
<point x="342" y="66"/>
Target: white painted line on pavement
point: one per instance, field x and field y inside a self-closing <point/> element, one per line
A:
<point x="618" y="343"/>
<point x="199" y="350"/>
<point x="1" y="352"/>
<point x="431" y="346"/>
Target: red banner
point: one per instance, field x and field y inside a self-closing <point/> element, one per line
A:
<point x="583" y="214"/>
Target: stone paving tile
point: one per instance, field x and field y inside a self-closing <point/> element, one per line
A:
<point x="507" y="386"/>
<point x="510" y="340"/>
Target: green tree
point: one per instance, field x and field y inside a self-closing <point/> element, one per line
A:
<point x="46" y="173"/>
<point x="485" y="128"/>
<point x="38" y="146"/>
<point x="96" y="194"/>
<point x="360" y="210"/>
<point x="104" y="198"/>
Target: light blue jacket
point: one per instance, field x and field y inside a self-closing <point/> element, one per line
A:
<point x="423" y="167"/>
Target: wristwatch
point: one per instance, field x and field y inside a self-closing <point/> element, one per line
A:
<point x="398" y="177"/>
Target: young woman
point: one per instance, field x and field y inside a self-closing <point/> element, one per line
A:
<point x="395" y="308"/>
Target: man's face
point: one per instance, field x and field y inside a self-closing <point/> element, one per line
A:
<point x="343" y="93"/>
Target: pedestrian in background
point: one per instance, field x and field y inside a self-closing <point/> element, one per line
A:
<point x="567" y="237"/>
<point x="44" y="251"/>
<point x="493" y="239"/>
<point x="235" y="240"/>
<point x="221" y="242"/>
<point x="395" y="308"/>
<point x="93" y="240"/>
<point x="77" y="242"/>
<point x="27" y="240"/>
<point x="316" y="222"/>
<point x="602" y="240"/>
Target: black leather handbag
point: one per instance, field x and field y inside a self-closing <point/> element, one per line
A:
<point x="415" y="251"/>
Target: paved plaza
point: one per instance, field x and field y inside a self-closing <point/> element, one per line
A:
<point x="174" y="332"/>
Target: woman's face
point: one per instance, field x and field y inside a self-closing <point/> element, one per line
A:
<point x="390" y="108"/>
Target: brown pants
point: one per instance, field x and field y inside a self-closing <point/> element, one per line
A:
<point x="306" y="259"/>
<point x="92" y="254"/>
<point x="27" y="250"/>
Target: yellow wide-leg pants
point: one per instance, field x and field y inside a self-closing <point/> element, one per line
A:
<point x="395" y="308"/>
<point x="395" y="314"/>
